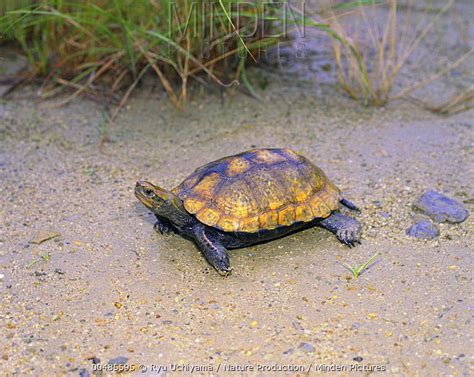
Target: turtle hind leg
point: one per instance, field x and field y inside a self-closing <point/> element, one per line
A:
<point x="346" y="229"/>
<point x="348" y="204"/>
<point x="212" y="248"/>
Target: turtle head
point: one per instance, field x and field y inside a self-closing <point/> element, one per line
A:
<point x="160" y="201"/>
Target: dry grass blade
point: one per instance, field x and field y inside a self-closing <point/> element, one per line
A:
<point x="64" y="39"/>
<point x="166" y="84"/>
<point x="104" y="68"/>
<point x="458" y="103"/>
<point x="382" y="49"/>
<point x="404" y="92"/>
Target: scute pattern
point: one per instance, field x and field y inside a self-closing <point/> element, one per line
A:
<point x="258" y="189"/>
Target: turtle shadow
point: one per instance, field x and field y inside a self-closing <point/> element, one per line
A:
<point x="144" y="213"/>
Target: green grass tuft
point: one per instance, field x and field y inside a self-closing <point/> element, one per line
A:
<point x="76" y="44"/>
<point x="357" y="271"/>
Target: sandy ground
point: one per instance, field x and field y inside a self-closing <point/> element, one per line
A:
<point x="110" y="286"/>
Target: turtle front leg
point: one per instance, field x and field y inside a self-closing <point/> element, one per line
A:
<point x="346" y="229"/>
<point x="163" y="226"/>
<point x="212" y="248"/>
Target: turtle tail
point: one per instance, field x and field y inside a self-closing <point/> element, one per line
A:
<point x="349" y="204"/>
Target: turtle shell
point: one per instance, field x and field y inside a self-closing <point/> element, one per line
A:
<point x="258" y="189"/>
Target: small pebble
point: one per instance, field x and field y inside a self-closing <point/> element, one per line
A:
<point x="95" y="360"/>
<point x="306" y="347"/>
<point x="424" y="230"/>
<point x="358" y="359"/>
<point x="83" y="373"/>
<point x="121" y="360"/>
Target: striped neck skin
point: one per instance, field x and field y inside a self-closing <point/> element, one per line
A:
<point x="163" y="203"/>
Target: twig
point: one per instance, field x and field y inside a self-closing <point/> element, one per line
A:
<point x="91" y="79"/>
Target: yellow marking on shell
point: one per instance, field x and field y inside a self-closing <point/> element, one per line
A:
<point x="276" y="202"/>
<point x="250" y="224"/>
<point x="236" y="200"/>
<point x="286" y="216"/>
<point x="303" y="213"/>
<point x="205" y="188"/>
<point x="295" y="180"/>
<point x="269" y="220"/>
<point x="325" y="209"/>
<point x="193" y="205"/>
<point x="315" y="203"/>
<point x="241" y="210"/>
<point x="334" y="193"/>
<point x="237" y="166"/>
<point x="208" y="216"/>
<point x="318" y="206"/>
<point x="330" y="197"/>
<point x="267" y="156"/>
<point x="266" y="188"/>
<point x="301" y="193"/>
<point x="228" y="224"/>
<point x="318" y="181"/>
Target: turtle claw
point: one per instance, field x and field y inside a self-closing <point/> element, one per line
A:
<point x="224" y="271"/>
<point x="162" y="228"/>
<point x="348" y="237"/>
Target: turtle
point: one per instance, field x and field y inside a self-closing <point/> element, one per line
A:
<point x="249" y="198"/>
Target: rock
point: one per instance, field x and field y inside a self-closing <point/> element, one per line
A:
<point x="306" y="347"/>
<point x="83" y="373"/>
<point x="121" y="360"/>
<point x="358" y="359"/>
<point x="440" y="208"/>
<point x="2" y="276"/>
<point x="424" y="230"/>
<point x="44" y="235"/>
<point x="94" y="360"/>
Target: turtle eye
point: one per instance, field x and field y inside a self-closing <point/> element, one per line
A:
<point x="149" y="193"/>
